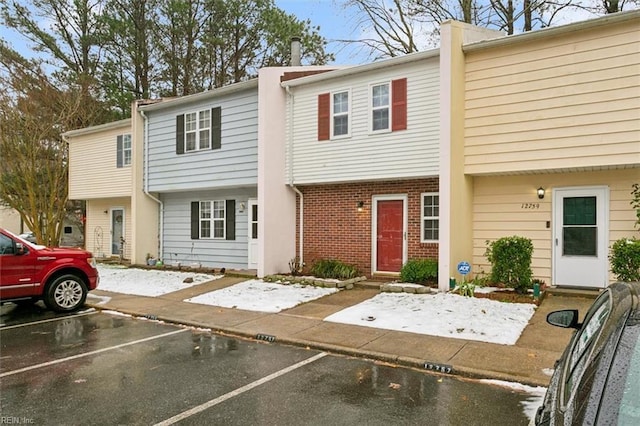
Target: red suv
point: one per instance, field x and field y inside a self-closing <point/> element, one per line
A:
<point x="61" y="277"/>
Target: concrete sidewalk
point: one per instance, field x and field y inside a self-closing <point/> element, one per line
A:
<point x="530" y="361"/>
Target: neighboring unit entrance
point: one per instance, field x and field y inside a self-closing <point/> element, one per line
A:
<point x="117" y="231"/>
<point x="580" y="235"/>
<point x="389" y="228"/>
<point x="253" y="234"/>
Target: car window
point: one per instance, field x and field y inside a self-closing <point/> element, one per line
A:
<point x="620" y="403"/>
<point x="6" y="245"/>
<point x="583" y="342"/>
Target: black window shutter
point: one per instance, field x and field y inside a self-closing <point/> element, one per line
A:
<point x="195" y="220"/>
<point x="230" y="210"/>
<point x="216" y="128"/>
<point x="119" y="152"/>
<point x="180" y="134"/>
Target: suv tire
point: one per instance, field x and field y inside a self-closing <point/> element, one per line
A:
<point x="66" y="293"/>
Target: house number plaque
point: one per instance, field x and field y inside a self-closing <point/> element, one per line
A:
<point x="530" y="206"/>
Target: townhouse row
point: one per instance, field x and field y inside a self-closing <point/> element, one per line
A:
<point x="425" y="155"/>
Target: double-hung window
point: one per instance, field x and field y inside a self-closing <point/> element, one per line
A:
<point x="215" y="219"/>
<point x="430" y="223"/>
<point x="198" y="131"/>
<point x="197" y="128"/>
<point x="380" y="106"/>
<point x="340" y="114"/>
<point x="212" y="219"/>
<point x="123" y="147"/>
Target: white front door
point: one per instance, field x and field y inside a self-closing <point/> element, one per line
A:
<point x="580" y="234"/>
<point x="253" y="234"/>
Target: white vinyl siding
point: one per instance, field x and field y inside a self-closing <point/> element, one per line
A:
<point x="555" y="104"/>
<point x="365" y="155"/>
<point x="234" y="164"/>
<point x="93" y="171"/>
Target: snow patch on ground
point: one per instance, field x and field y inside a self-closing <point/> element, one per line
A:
<point x="147" y="282"/>
<point x="257" y="295"/>
<point x="442" y="314"/>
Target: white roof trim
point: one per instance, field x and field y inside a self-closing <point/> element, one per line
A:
<point x="219" y="91"/>
<point x="99" y="128"/>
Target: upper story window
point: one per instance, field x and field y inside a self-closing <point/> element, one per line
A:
<point x="430" y="223"/>
<point x="215" y="219"/>
<point x="387" y="110"/>
<point x="123" y="156"/>
<point x="197" y="131"/>
<point x="334" y="115"/>
<point x="340" y="114"/>
<point x="380" y="107"/>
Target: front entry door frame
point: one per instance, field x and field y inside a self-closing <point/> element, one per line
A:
<point x="374" y="230"/>
<point x="581" y="271"/>
<point x="117" y="229"/>
<point x="253" y="233"/>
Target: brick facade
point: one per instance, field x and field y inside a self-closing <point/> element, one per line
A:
<point x="335" y="229"/>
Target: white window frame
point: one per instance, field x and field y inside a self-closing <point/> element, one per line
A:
<point x="126" y="149"/>
<point x="347" y="114"/>
<point x="214" y="207"/>
<point x="373" y="108"/>
<point x="196" y="123"/>
<point x="423" y="218"/>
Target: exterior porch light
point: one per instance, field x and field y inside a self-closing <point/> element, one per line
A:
<point x="360" y="206"/>
<point x="541" y="193"/>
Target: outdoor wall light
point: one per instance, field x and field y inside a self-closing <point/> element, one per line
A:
<point x="242" y="207"/>
<point x="541" y="193"/>
<point x="360" y="206"/>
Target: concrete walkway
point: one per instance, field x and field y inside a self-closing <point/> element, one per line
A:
<point x="530" y="361"/>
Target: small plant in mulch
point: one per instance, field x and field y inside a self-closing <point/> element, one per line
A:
<point x="331" y="268"/>
<point x="420" y="271"/>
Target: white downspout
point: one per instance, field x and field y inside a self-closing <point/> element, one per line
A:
<point x="145" y="148"/>
<point x="291" y="184"/>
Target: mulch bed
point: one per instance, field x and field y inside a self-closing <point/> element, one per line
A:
<point x="512" y="296"/>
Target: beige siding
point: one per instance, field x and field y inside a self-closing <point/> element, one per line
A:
<point x="364" y="155"/>
<point x="499" y="210"/>
<point x="98" y="226"/>
<point x="92" y="166"/>
<point x="555" y="103"/>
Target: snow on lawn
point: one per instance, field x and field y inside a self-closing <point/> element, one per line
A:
<point x="146" y="282"/>
<point x="442" y="314"/>
<point x="257" y="295"/>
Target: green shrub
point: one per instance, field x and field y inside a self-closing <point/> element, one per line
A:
<point x="419" y="271"/>
<point x="510" y="259"/>
<point x="625" y="259"/>
<point x="330" y="268"/>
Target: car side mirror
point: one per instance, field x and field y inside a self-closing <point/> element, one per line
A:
<point x="19" y="249"/>
<point x="567" y="318"/>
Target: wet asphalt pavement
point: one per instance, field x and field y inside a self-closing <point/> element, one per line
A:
<point x="105" y="369"/>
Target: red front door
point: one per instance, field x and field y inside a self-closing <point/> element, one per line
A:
<point x="389" y="233"/>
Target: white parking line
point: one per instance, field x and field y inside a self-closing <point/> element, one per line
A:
<point x="81" y="314"/>
<point x="82" y="355"/>
<point x="243" y="389"/>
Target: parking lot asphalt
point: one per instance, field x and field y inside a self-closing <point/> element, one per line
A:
<point x="530" y="361"/>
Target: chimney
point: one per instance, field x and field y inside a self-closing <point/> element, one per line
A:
<point x="295" y="52"/>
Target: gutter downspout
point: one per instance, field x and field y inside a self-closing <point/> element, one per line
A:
<point x="291" y="184"/>
<point x="145" y="188"/>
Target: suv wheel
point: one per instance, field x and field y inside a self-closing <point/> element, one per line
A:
<point x="66" y="293"/>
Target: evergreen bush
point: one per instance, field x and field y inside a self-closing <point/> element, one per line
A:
<point x="331" y="268"/>
<point x="510" y="259"/>
<point x="625" y="259"/>
<point x="419" y="271"/>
